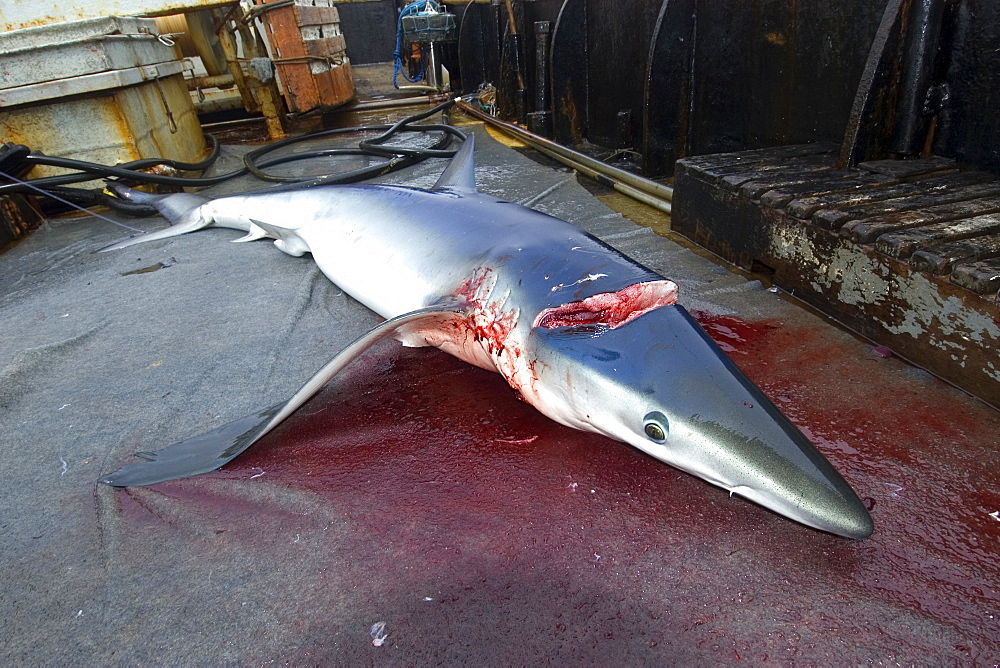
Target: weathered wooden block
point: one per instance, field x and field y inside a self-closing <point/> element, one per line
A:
<point x="840" y="240"/>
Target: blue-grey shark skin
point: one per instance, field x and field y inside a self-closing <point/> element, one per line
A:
<point x="591" y="338"/>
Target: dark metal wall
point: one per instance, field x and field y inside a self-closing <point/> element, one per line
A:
<point x="676" y="78"/>
<point x="369" y="29"/>
<point x="599" y="53"/>
<point x="969" y="124"/>
<point x="741" y="74"/>
<point x="617" y="49"/>
<point x="485" y="51"/>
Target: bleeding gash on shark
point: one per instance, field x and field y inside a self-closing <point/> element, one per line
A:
<point x="590" y="338"/>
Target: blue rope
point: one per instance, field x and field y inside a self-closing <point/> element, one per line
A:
<point x="397" y="69"/>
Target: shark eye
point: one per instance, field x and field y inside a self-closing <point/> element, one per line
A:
<point x="656" y="426"/>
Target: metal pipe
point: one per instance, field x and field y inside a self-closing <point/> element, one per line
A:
<point x="388" y="104"/>
<point x="433" y="68"/>
<point x="566" y="155"/>
<point x="623" y="188"/>
<point x="921" y="46"/>
<point x="540" y="120"/>
<point x="413" y="87"/>
<point x="209" y="81"/>
<point x="543" y="30"/>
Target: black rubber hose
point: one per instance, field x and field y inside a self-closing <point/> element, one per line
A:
<point x="398" y="157"/>
<point x="373" y="146"/>
<point x="94" y="197"/>
<point x="88" y="171"/>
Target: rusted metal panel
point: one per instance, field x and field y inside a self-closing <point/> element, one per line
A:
<point x="32" y="65"/>
<point x="925" y="283"/>
<point x="309" y="52"/>
<point x="307" y="85"/>
<point x="310" y="15"/>
<point x="598" y="73"/>
<point x="152" y="119"/>
<point x="90" y="83"/>
<point x="17" y="15"/>
<point x="570" y="78"/>
<point x="19" y="217"/>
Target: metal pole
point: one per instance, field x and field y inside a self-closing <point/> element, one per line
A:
<point x="647" y="186"/>
<point x="921" y="46"/>
<point x="649" y="192"/>
<point x="540" y="120"/>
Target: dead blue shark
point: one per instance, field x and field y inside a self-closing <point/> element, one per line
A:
<point x="590" y="338"/>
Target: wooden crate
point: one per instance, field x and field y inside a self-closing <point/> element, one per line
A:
<point x="308" y="50"/>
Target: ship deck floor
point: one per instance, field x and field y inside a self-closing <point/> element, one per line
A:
<point x="418" y="492"/>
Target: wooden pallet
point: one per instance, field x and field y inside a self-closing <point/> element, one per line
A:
<point x="905" y="252"/>
<point x="310" y="54"/>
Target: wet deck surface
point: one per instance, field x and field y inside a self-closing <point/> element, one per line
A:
<point x="419" y="492"/>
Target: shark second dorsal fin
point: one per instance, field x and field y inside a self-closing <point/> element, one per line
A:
<point x="461" y="171"/>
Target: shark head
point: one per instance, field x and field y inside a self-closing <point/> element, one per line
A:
<point x="660" y="384"/>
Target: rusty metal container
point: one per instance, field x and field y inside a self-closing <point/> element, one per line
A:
<point x="309" y="51"/>
<point x="103" y="90"/>
<point x="18" y="14"/>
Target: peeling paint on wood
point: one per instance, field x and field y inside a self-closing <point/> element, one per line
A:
<point x="807" y="227"/>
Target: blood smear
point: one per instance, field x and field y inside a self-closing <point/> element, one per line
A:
<point x="611" y="309"/>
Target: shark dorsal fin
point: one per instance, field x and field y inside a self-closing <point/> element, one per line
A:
<point x="461" y="171"/>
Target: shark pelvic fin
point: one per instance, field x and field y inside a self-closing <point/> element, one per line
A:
<point x="461" y="171"/>
<point x="211" y="450"/>
<point x="256" y="232"/>
<point x="285" y="239"/>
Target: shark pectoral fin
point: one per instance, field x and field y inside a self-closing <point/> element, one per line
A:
<point x="201" y="454"/>
<point x="211" y="450"/>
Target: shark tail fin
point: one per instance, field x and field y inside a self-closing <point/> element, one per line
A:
<point x="180" y="209"/>
<point x="461" y="171"/>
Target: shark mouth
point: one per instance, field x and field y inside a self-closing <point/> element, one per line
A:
<point x="610" y="309"/>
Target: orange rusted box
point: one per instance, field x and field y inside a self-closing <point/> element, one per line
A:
<point x="308" y="50"/>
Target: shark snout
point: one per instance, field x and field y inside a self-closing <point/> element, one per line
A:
<point x="690" y="406"/>
<point x="821" y="500"/>
<point x="759" y="455"/>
